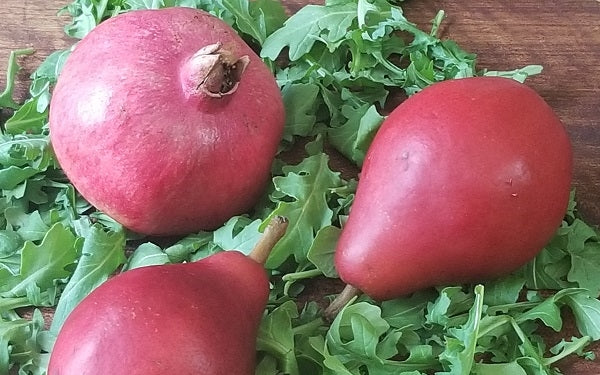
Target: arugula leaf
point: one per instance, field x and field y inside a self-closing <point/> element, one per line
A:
<point x="312" y="23"/>
<point x="256" y="19"/>
<point x="276" y="337"/>
<point x="459" y="354"/>
<point x="27" y="119"/>
<point x="323" y="249"/>
<point x="565" y="348"/>
<point x="509" y="368"/>
<point x="584" y="249"/>
<point x="239" y="233"/>
<point x="19" y="344"/>
<point x="359" y="338"/>
<point x="6" y="96"/>
<point x="45" y="76"/>
<point x="87" y="14"/>
<point x="353" y="137"/>
<point x="300" y="109"/>
<point x="503" y="291"/>
<point x="407" y="313"/>
<point x="303" y="193"/>
<point x="147" y="254"/>
<point x="42" y="265"/>
<point x="586" y="310"/>
<point x="101" y="254"/>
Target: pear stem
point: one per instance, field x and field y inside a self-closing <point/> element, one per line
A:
<point x="340" y="301"/>
<point x="273" y="233"/>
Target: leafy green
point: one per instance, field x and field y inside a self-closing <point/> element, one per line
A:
<point x="43" y="78"/>
<point x="42" y="264"/>
<point x="304" y="192"/>
<point x="340" y="67"/>
<point x="6" y="96"/>
<point x="102" y="252"/>
<point x="347" y="57"/>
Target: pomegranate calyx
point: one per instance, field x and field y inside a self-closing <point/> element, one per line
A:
<point x="215" y="71"/>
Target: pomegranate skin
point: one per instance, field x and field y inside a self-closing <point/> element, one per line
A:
<point x="465" y="181"/>
<point x="141" y="142"/>
<point x="199" y="318"/>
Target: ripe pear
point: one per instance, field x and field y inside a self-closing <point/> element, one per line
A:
<point x="465" y="181"/>
<point x="198" y="318"/>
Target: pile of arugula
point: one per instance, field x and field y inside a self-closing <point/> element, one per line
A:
<point x="343" y="61"/>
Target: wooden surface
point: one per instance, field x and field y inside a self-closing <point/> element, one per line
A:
<point x="563" y="36"/>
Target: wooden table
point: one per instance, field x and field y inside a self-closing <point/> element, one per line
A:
<point x="563" y="36"/>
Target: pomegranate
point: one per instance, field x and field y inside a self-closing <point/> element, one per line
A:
<point x="166" y="120"/>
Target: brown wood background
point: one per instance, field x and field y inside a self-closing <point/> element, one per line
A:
<point x="563" y="36"/>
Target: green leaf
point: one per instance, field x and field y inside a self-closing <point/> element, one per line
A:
<point x="450" y="302"/>
<point x="6" y="96"/>
<point x="548" y="311"/>
<point x="256" y="18"/>
<point x="147" y="254"/>
<point x="267" y="366"/>
<point x="312" y="23"/>
<point x="42" y="265"/>
<point x="299" y="101"/>
<point x="87" y="14"/>
<point x="145" y="4"/>
<point x="303" y="193"/>
<point x="10" y="243"/>
<point x="322" y="251"/>
<point x="184" y="248"/>
<point x="586" y="311"/>
<point x="272" y="14"/>
<point x="239" y="233"/>
<point x="461" y="344"/>
<point x="354" y="137"/>
<point x="27" y="119"/>
<point x="503" y="291"/>
<point x="565" y="348"/>
<point x="548" y="270"/>
<point x="510" y="368"/>
<point x="355" y="332"/>
<point x="276" y="337"/>
<point x="12" y="176"/>
<point x="359" y="338"/>
<point x="101" y="254"/>
<point x="19" y="344"/>
<point x="407" y="313"/>
<point x="520" y="74"/>
<point x="584" y="249"/>
<point x="46" y="76"/>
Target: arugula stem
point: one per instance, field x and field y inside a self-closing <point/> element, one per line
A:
<point x="272" y="346"/>
<point x="7" y="304"/>
<point x="6" y="97"/>
<point x="295" y="276"/>
<point x="341" y="301"/>
<point x="308" y="328"/>
<point x="527" y="348"/>
<point x="512" y="306"/>
<point x="273" y="233"/>
<point x="570" y="350"/>
<point x="501" y="321"/>
<point x="13" y="303"/>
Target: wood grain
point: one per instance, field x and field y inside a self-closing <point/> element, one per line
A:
<point x="563" y="36"/>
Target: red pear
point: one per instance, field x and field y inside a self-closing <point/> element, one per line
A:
<point x="198" y="318"/>
<point x="465" y="181"/>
